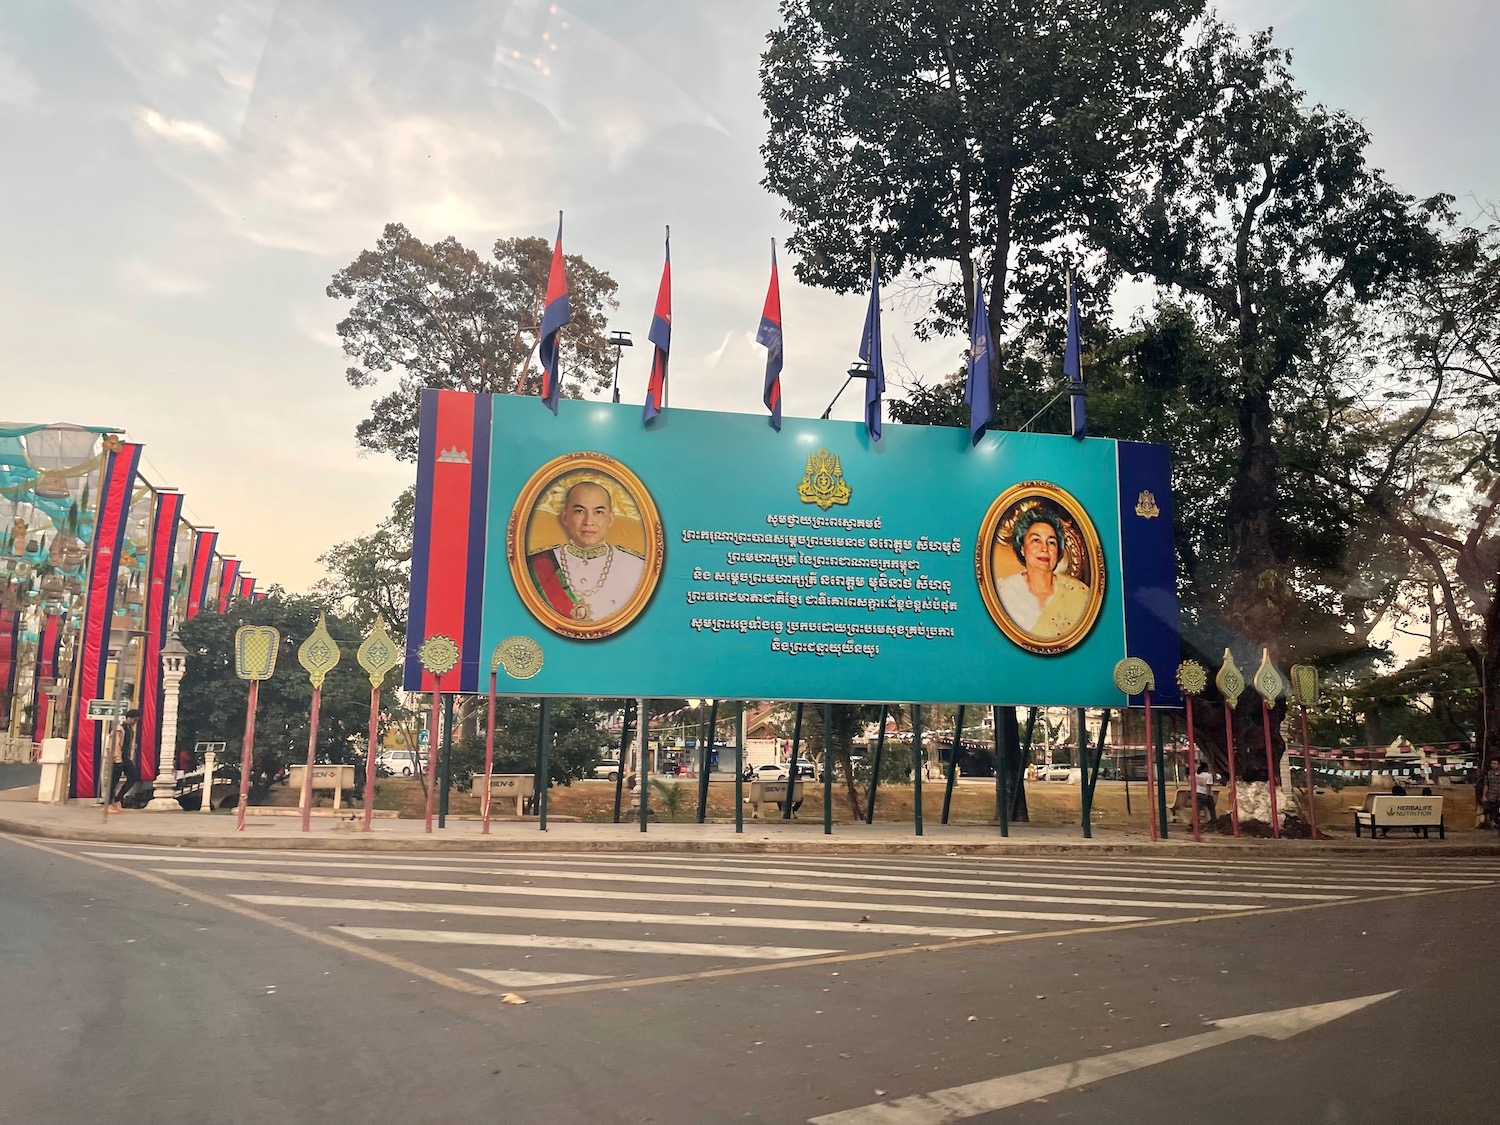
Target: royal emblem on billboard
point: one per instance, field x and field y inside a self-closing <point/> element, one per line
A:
<point x="824" y="483"/>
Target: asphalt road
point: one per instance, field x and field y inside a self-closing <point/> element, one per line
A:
<point x="164" y="985"/>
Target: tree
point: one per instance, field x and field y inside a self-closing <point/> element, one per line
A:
<point x="1267" y="222"/>
<point x="372" y="574"/>
<point x="213" y="700"/>
<point x="446" y="318"/>
<point x="946" y="133"/>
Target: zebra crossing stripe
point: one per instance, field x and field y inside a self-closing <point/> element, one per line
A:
<point x="600" y="945"/>
<point x="761" y="884"/>
<point x="519" y="978"/>
<point x="720" y="922"/>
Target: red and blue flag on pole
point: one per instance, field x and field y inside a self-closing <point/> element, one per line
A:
<point x="661" y="337"/>
<point x="977" y="384"/>
<point x="769" y="337"/>
<point x="1073" y="363"/>
<point x="558" y="312"/>
<point x="870" y="352"/>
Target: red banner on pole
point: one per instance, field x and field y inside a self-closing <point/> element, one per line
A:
<point x="158" y="595"/>
<point x="228" y="579"/>
<point x="203" y="554"/>
<point x="115" y="486"/>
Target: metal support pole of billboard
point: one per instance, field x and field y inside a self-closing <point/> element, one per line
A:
<point x="543" y="753"/>
<point x="1085" y="791"/>
<point x="739" y="765"/>
<point x="643" y="758"/>
<point x="1091" y="776"/>
<point x="624" y="760"/>
<point x="447" y="764"/>
<point x="827" y="772"/>
<point x="916" y="767"/>
<point x="1002" y="798"/>
<point x="1024" y="755"/>
<point x="786" y="808"/>
<point x="875" y="773"/>
<point x="705" y="748"/>
<point x="1161" y="767"/>
<point x="953" y="744"/>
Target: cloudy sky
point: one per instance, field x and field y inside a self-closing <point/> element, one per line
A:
<point x="182" y="177"/>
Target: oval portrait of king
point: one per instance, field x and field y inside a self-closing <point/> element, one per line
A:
<point x="1040" y="567"/>
<point x="585" y="545"/>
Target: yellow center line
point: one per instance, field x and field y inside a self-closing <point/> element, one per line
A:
<point x="627" y="983"/>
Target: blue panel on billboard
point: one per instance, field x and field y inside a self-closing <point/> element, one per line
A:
<point x="710" y="556"/>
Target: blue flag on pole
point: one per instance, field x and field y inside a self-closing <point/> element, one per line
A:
<point x="1073" y="363"/>
<point x="769" y="337"/>
<point x="557" y="312"/>
<point x="977" y="385"/>
<point x="661" y="339"/>
<point x="870" y="352"/>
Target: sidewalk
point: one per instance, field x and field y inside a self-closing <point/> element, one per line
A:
<point x="84" y="822"/>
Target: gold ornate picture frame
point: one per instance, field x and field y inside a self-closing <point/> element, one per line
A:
<point x="1081" y="562"/>
<point x="533" y="528"/>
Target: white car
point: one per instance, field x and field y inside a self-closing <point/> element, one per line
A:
<point x="402" y="763"/>
<point x="608" y="770"/>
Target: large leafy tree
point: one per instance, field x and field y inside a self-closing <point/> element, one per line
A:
<point x="442" y="316"/>
<point x="945" y="133"/>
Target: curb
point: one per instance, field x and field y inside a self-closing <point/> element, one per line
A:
<point x="357" y="841"/>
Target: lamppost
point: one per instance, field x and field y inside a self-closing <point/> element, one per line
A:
<point x="858" y="370"/>
<point x="164" y="788"/>
<point x="619" y="339"/>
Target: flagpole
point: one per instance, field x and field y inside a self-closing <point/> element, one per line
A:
<point x="666" y="375"/>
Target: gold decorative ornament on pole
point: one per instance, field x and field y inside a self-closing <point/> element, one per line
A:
<point x="318" y="656"/>
<point x="1231" y="684"/>
<point x="1192" y="678"/>
<point x="255" y="649"/>
<point x="1133" y="676"/>
<point x="377" y="655"/>
<point x="1305" y="691"/>
<point x="1269" y="683"/>
<point x="438" y="655"/>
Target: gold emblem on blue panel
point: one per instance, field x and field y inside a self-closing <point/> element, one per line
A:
<point x="1145" y="505"/>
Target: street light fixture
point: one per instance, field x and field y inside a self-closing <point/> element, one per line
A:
<point x="858" y="370"/>
<point x="619" y="339"/>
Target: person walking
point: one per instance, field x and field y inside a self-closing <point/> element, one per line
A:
<point x="1203" y="782"/>
<point x="123" y="753"/>
<point x="1489" y="794"/>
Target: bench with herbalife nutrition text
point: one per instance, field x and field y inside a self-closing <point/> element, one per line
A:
<point x="1385" y="813"/>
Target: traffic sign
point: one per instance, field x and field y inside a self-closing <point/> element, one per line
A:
<point x="99" y="709"/>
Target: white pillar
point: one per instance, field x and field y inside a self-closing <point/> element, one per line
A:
<point x="164" y="789"/>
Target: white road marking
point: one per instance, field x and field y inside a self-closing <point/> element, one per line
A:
<point x="941" y="1107"/>
<point x="604" y="945"/>
<point x="610" y="916"/>
<point x="761" y="884"/>
<point x="517" y="978"/>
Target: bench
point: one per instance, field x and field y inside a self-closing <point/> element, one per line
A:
<point x="772" y="792"/>
<point x="1385" y="813"/>
<point x="1183" y="802"/>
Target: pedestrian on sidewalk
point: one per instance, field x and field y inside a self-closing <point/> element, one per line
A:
<point x="1203" y="782"/>
<point x="1489" y="795"/>
<point x="123" y="753"/>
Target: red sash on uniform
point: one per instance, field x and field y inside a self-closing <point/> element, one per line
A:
<point x="549" y="580"/>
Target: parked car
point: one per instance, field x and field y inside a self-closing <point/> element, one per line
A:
<point x="769" y="771"/>
<point x="403" y="763"/>
<point x="608" y="770"/>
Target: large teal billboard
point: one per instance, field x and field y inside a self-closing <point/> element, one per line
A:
<point x="708" y="555"/>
